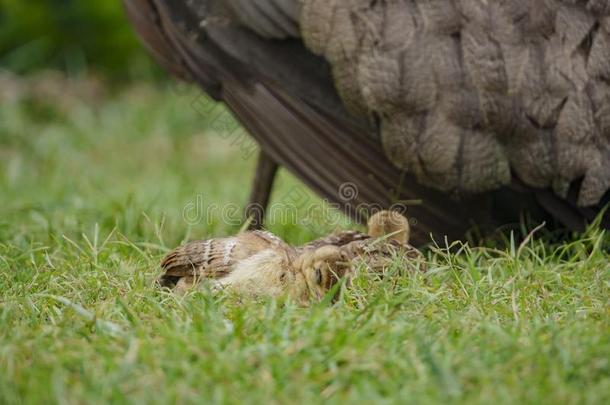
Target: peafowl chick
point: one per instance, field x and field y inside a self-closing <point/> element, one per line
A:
<point x="259" y="263"/>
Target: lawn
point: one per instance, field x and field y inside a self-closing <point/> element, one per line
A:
<point x="97" y="184"/>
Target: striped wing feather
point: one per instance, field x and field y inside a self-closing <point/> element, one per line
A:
<point x="215" y="258"/>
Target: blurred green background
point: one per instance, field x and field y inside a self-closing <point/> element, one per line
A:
<point x="74" y="36"/>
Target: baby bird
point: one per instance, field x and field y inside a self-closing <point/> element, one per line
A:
<point x="218" y="258"/>
<point x="390" y="223"/>
<point x="259" y="263"/>
<point x="387" y="238"/>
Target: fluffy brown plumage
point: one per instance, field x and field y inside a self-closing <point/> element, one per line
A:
<point x="260" y="264"/>
<point x="390" y="223"/>
<point x="216" y="258"/>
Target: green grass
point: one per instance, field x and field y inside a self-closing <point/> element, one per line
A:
<point x="71" y="35"/>
<point x="92" y="193"/>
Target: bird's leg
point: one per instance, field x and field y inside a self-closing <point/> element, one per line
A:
<point x="262" y="184"/>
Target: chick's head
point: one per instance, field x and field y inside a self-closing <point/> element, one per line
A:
<point x="321" y="269"/>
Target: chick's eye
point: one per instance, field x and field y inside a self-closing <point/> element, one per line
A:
<point x="318" y="276"/>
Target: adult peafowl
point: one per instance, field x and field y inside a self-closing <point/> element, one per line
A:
<point x="470" y="112"/>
